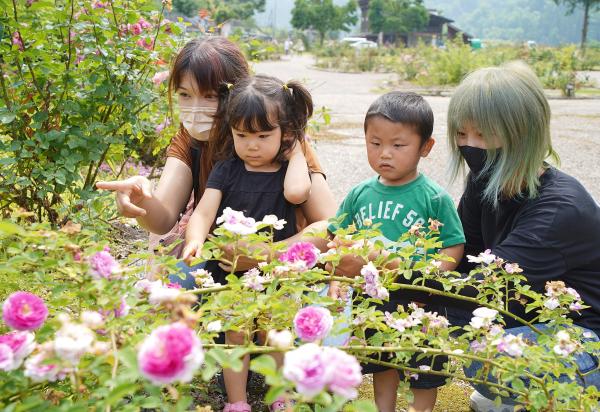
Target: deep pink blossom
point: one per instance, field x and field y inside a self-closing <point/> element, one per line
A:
<point x="312" y="323"/>
<point x="24" y="311"/>
<point x="171" y="353"/>
<point x="302" y="255"/>
<point x="14" y="348"/>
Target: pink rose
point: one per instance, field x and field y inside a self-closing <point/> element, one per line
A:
<point x="146" y="43"/>
<point x="20" y="344"/>
<point x="144" y="24"/>
<point x="38" y="369"/>
<point x="345" y="375"/>
<point x="103" y="265"/>
<point x="171" y="353"/>
<point x="17" y="40"/>
<point x="24" y="311"/>
<point x="303" y="254"/>
<point x="235" y="222"/>
<point x="312" y="323"/>
<point x="307" y="368"/>
<point x="160" y="77"/>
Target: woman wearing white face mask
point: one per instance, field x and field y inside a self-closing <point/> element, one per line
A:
<point x="202" y="66"/>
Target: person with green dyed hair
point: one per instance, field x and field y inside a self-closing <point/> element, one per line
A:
<point x="519" y="206"/>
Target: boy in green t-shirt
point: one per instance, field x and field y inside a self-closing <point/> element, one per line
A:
<point x="398" y="128"/>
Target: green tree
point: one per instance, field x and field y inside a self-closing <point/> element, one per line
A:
<point x="323" y="16"/>
<point x="186" y="7"/>
<point x="221" y="11"/>
<point x="397" y="16"/>
<point x="588" y="6"/>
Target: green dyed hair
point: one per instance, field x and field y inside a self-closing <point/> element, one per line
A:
<point x="508" y="106"/>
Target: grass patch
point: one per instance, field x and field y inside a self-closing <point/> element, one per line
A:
<point x="451" y="398"/>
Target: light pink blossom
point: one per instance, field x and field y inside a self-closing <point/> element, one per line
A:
<point x="308" y="368"/>
<point x="511" y="345"/>
<point x="160" y="77"/>
<point x="565" y="346"/>
<point x="172" y="353"/>
<point x="92" y="319"/>
<point x="483" y="317"/>
<point x="345" y="372"/>
<point x="280" y="339"/>
<point x="38" y="369"/>
<point x="485" y="257"/>
<point x="72" y="341"/>
<point x="552" y="303"/>
<point x="103" y="265"/>
<point x="24" y="311"/>
<point x="272" y="220"/>
<point x="302" y="254"/>
<point x="144" y="24"/>
<point x="512" y="268"/>
<point x="204" y="278"/>
<point x="312" y="323"/>
<point x="236" y="222"/>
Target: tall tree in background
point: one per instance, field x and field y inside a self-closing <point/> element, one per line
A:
<point x="186" y="7"/>
<point x="397" y="16"/>
<point x="221" y="11"/>
<point x="588" y="7"/>
<point x="323" y="16"/>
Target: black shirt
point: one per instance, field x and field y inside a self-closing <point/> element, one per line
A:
<point x="554" y="236"/>
<point x="257" y="194"/>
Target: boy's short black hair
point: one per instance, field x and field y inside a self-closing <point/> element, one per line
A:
<point x="404" y="107"/>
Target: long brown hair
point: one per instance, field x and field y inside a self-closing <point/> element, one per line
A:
<point x="212" y="61"/>
<point x="260" y="103"/>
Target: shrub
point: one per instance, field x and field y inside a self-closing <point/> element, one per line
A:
<point x="77" y="92"/>
<point x="113" y="340"/>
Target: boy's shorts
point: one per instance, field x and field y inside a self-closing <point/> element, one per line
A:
<point x="424" y="380"/>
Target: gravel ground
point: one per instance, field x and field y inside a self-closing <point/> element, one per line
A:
<point x="575" y="127"/>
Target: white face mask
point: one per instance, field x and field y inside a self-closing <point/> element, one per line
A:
<point x="197" y="120"/>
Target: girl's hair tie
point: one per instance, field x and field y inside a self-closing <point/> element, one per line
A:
<point x="288" y="89"/>
<point x="229" y="86"/>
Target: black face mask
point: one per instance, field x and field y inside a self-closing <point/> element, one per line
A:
<point x="475" y="158"/>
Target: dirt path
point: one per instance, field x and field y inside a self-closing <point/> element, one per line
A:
<point x="575" y="127"/>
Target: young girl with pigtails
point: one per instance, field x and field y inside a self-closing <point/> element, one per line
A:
<point x="263" y="172"/>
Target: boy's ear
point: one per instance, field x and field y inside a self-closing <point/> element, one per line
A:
<point x="427" y="146"/>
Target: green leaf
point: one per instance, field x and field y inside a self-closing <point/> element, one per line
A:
<point x="265" y="365"/>
<point x="7" y="118"/>
<point x="120" y="392"/>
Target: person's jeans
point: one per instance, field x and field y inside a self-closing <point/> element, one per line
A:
<point x="340" y="333"/>
<point x="188" y="282"/>
<point x="585" y="361"/>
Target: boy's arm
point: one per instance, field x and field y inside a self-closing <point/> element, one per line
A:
<point x="456" y="253"/>
<point x="296" y="186"/>
<point x="199" y="225"/>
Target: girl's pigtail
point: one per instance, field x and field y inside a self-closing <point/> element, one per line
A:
<point x="300" y="107"/>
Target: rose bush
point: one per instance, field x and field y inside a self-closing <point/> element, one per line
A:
<point x="112" y="339"/>
<point x="80" y="92"/>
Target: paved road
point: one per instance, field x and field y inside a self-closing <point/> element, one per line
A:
<point x="575" y="127"/>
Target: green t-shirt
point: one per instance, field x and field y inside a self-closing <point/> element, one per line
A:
<point x="397" y="208"/>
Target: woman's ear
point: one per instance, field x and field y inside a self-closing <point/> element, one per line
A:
<point x="427" y="146"/>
